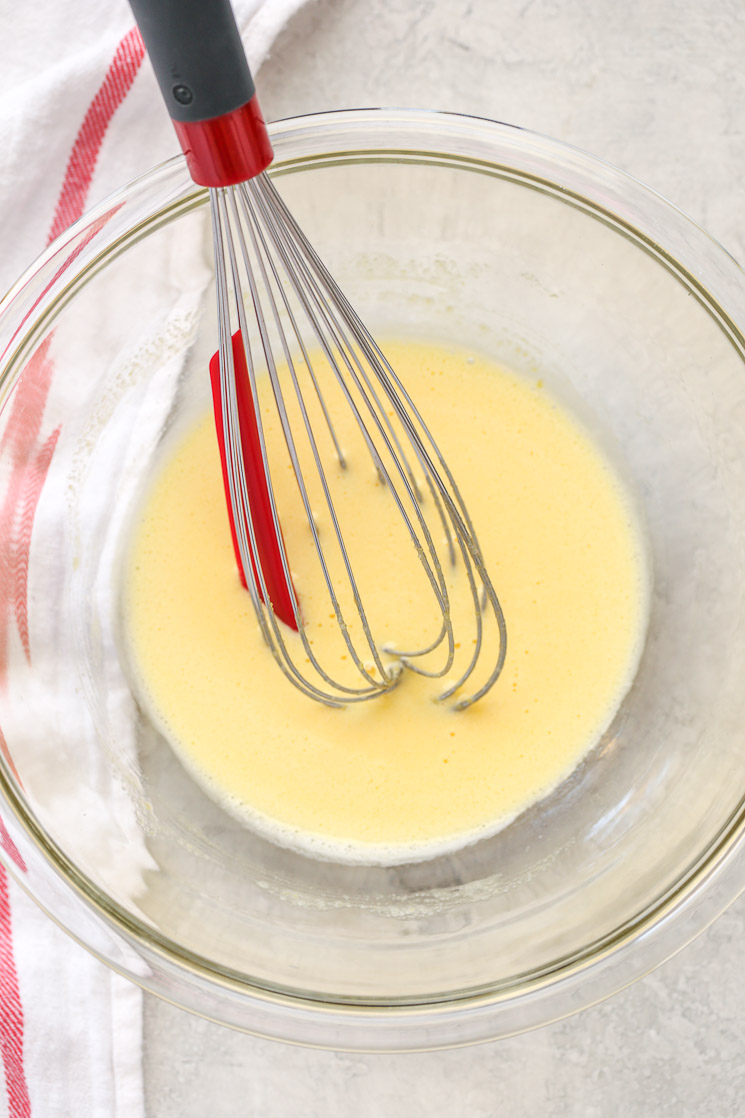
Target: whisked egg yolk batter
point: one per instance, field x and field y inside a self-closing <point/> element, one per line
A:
<point x="400" y="777"/>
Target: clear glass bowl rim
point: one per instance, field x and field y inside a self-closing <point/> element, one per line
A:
<point x="718" y="875"/>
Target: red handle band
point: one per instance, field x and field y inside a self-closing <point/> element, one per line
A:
<point x="227" y="149"/>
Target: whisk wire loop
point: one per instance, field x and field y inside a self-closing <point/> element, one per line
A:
<point x="277" y="274"/>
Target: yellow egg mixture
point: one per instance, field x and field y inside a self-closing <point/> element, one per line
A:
<point x="399" y="777"/>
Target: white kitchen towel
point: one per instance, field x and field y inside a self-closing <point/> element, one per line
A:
<point x="80" y="115"/>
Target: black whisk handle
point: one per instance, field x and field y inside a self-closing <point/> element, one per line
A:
<point x="201" y="67"/>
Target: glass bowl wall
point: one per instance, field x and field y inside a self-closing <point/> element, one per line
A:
<point x="435" y="226"/>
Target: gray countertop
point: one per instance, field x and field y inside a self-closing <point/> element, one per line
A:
<point x="658" y="88"/>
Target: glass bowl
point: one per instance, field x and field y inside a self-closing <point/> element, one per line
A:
<point x="544" y="259"/>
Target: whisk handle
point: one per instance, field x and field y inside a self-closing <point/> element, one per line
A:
<point x="198" y="57"/>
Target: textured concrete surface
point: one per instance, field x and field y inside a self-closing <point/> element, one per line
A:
<point x="658" y="88"/>
<point x="672" y="1044"/>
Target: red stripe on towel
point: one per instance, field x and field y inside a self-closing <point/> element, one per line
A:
<point x="85" y="151"/>
<point x="11" y="1014"/>
<point x="25" y="420"/>
<point x="19" y="507"/>
<point x="9" y="761"/>
<point x="6" y="841"/>
<point x="33" y="483"/>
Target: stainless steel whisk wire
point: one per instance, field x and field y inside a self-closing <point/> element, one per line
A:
<point x="256" y="237"/>
<point x="266" y="271"/>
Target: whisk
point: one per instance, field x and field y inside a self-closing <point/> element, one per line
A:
<point x="283" y="322"/>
